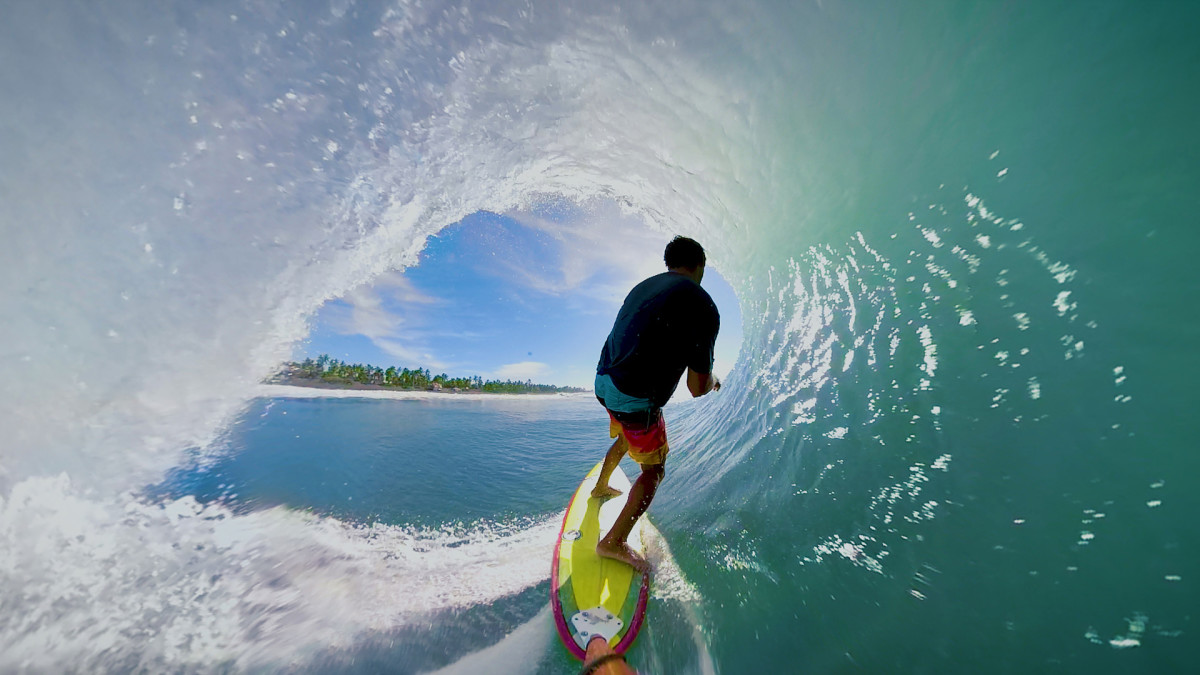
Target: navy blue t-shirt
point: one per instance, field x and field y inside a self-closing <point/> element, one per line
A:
<point x="667" y="325"/>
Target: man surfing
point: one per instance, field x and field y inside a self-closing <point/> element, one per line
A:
<point x="667" y="324"/>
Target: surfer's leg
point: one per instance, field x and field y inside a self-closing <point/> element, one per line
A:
<point x="640" y="495"/>
<point x="615" y="453"/>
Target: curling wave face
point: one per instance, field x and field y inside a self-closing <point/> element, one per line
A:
<point x="185" y="186"/>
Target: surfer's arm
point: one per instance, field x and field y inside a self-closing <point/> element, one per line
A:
<point x="706" y="322"/>
<point x="700" y="384"/>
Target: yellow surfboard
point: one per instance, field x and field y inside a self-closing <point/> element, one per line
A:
<point x="591" y="595"/>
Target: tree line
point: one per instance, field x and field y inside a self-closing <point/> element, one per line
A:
<point x="334" y="371"/>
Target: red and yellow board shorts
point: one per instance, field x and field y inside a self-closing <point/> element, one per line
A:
<point x="646" y="442"/>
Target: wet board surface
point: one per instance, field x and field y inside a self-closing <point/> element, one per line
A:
<point x="592" y="595"/>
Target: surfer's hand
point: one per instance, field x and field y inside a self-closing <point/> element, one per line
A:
<point x="716" y="384"/>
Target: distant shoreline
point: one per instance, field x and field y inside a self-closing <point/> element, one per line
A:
<point x="279" y="387"/>
<point x="326" y="384"/>
<point x="324" y="372"/>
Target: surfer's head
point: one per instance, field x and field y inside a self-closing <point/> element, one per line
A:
<point x="686" y="256"/>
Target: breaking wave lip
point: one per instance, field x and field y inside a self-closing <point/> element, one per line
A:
<point x="264" y="186"/>
<point x="121" y="584"/>
<point x="256" y="190"/>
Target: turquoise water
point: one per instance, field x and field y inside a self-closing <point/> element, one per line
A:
<point x="424" y="462"/>
<point x="958" y="436"/>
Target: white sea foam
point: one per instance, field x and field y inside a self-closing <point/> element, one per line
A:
<point x="115" y="583"/>
<point x="670" y="583"/>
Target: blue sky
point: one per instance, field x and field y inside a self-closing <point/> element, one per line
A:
<point x="519" y="296"/>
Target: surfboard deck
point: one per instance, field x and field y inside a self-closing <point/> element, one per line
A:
<point x="592" y="595"/>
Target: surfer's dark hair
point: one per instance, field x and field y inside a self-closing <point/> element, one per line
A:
<point x="683" y="252"/>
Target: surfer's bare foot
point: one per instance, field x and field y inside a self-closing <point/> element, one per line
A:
<point x="623" y="553"/>
<point x="605" y="492"/>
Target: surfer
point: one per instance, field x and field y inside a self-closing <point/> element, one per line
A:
<point x="667" y="324"/>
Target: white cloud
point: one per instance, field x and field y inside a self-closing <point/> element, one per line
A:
<point x="523" y="370"/>
<point x="367" y="316"/>
<point x="413" y="356"/>
<point x="402" y="290"/>
<point x="396" y="333"/>
<point x="602" y="254"/>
